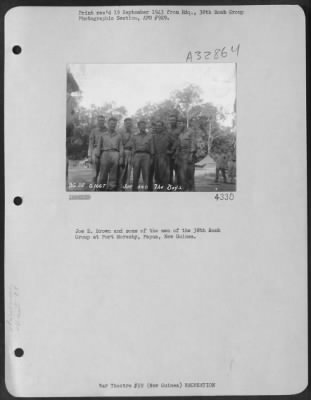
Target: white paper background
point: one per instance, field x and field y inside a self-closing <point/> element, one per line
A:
<point x="229" y="308"/>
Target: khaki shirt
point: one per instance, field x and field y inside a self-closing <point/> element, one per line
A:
<point x="126" y="137"/>
<point x="173" y="132"/>
<point x="221" y="161"/>
<point x="110" y="141"/>
<point x="163" y="143"/>
<point x="142" y="142"/>
<point x="95" y="135"/>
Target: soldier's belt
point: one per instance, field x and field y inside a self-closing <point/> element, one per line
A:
<point x="111" y="150"/>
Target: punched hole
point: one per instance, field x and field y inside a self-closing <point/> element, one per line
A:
<point x="18" y="200"/>
<point x="19" y="352"/>
<point x="17" y="49"/>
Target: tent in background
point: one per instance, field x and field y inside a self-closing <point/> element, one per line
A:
<point x="206" y="163"/>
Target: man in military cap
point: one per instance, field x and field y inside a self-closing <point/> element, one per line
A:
<point x="142" y="146"/>
<point x="126" y="137"/>
<point x="110" y="152"/>
<point x="173" y="131"/>
<point x="185" y="152"/>
<point x="163" y="149"/>
<point x="95" y="134"/>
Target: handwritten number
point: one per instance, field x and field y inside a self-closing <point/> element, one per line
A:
<point x="207" y="54"/>
<point x="224" y="53"/>
<point x="236" y="50"/>
<point x="198" y="53"/>
<point x="216" y="54"/>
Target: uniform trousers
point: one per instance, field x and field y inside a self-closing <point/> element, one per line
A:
<point x="186" y="172"/>
<point x="141" y="165"/>
<point x="95" y="164"/>
<point x="161" y="170"/>
<point x="125" y="170"/>
<point x="108" y="173"/>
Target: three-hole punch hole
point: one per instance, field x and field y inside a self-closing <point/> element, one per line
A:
<point x="19" y="352"/>
<point x="16" y="49"/>
<point x="17" y="200"/>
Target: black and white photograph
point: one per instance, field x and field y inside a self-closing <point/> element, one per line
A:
<point x="124" y="295"/>
<point x="151" y="127"/>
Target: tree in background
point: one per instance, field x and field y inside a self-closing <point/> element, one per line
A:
<point x="73" y="99"/>
<point x="185" y="102"/>
<point x="84" y="120"/>
<point x="224" y="141"/>
<point x="152" y="112"/>
<point x="205" y="119"/>
<point x="186" y="99"/>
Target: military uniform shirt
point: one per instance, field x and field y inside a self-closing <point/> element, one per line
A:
<point x="126" y="137"/>
<point x="163" y="143"/>
<point x="110" y="141"/>
<point x="174" y="133"/>
<point x="94" y="138"/>
<point x="221" y="161"/>
<point x="142" y="142"/>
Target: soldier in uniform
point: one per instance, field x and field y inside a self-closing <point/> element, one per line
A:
<point x="151" y="169"/>
<point x="163" y="148"/>
<point x="185" y="152"/>
<point x="173" y="131"/>
<point x="232" y="166"/>
<point x="95" y="134"/>
<point x="126" y="137"/>
<point x="110" y="153"/>
<point x="142" y="146"/>
<point x="221" y="165"/>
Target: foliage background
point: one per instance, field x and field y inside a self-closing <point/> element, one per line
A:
<point x="205" y="119"/>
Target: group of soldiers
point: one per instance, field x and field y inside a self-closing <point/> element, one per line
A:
<point x="161" y="157"/>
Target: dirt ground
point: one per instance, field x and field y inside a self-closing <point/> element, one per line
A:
<point x="80" y="176"/>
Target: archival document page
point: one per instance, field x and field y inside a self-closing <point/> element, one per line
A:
<point x="155" y="201"/>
